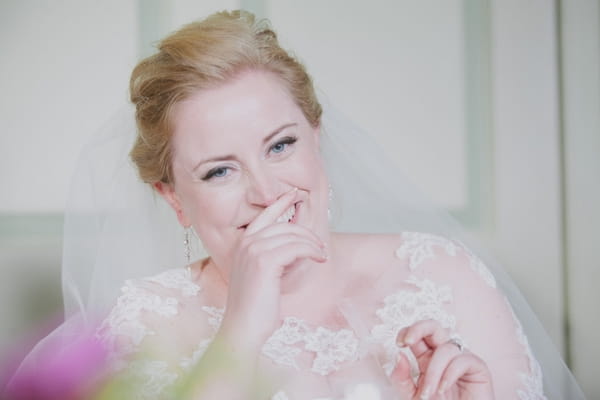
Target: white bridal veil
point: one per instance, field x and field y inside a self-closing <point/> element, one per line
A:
<point x="117" y="228"/>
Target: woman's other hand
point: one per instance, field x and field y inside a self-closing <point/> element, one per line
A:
<point x="447" y="371"/>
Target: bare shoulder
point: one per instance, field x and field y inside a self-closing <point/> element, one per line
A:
<point x="441" y="257"/>
<point x="410" y="252"/>
<point x="151" y="309"/>
<point x="366" y="254"/>
<point x="367" y="244"/>
<point x="389" y="247"/>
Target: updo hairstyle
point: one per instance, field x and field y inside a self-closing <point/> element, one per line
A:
<point x="203" y="55"/>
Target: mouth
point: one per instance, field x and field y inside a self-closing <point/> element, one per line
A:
<point x="288" y="216"/>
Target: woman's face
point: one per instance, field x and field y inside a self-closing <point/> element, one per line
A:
<point x="237" y="149"/>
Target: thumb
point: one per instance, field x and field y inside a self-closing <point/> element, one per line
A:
<point x="402" y="378"/>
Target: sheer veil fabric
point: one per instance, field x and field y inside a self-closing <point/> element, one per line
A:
<point x="117" y="228"/>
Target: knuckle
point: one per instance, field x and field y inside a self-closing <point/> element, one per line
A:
<point x="253" y="250"/>
<point x="262" y="260"/>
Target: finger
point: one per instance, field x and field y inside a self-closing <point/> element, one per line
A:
<point x="429" y="330"/>
<point x="289" y="253"/>
<point x="286" y="228"/>
<point x="466" y="367"/>
<point x="402" y="378"/>
<point x="422" y="336"/>
<point x="442" y="356"/>
<point x="270" y="243"/>
<point x="270" y="214"/>
<point x="418" y="349"/>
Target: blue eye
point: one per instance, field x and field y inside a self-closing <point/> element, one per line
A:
<point x="219" y="172"/>
<point x="282" y="145"/>
<point x="279" y="147"/>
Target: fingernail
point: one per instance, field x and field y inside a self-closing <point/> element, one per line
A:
<point x="409" y="340"/>
<point x="425" y="394"/>
<point x="442" y="388"/>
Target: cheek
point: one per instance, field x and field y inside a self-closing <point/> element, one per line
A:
<point x="210" y="210"/>
<point x="315" y="171"/>
<point x="309" y="166"/>
<point x="309" y="174"/>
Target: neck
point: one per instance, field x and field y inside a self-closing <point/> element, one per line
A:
<point x="312" y="282"/>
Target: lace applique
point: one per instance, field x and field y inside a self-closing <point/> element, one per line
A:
<point x="406" y="307"/>
<point x="280" y="346"/>
<point x="418" y="247"/>
<point x="215" y="316"/>
<point x="155" y="376"/>
<point x="361" y="391"/>
<point x="124" y="318"/>
<point x="179" y="278"/>
<point x="280" y="396"/>
<point x="214" y="320"/>
<point x="533" y="381"/>
<point x="330" y="347"/>
<point x="479" y="267"/>
<point x="187" y="363"/>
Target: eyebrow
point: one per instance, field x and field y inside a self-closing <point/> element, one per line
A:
<point x="233" y="157"/>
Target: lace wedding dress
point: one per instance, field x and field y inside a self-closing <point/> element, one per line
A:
<point x="161" y="326"/>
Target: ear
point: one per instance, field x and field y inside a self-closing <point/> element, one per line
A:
<point x="167" y="191"/>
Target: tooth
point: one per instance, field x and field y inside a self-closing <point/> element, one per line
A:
<point x="287" y="215"/>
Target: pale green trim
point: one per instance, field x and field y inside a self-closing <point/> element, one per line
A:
<point x="31" y="225"/>
<point x="564" y="197"/>
<point x="478" y="115"/>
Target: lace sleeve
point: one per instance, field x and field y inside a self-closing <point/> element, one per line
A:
<point x="157" y="331"/>
<point x="483" y="317"/>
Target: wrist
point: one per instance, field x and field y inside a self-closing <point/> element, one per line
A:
<point x="240" y="341"/>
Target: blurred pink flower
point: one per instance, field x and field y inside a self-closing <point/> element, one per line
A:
<point x="68" y="372"/>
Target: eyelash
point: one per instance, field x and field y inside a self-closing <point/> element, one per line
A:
<point x="288" y="140"/>
<point x="213" y="172"/>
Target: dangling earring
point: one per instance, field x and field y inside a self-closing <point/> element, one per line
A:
<point x="187" y="251"/>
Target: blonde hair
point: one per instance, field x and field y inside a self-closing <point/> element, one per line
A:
<point x="203" y="55"/>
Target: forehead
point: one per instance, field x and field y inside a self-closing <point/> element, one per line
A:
<point x="254" y="103"/>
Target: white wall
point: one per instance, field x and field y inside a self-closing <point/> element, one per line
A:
<point x="64" y="70"/>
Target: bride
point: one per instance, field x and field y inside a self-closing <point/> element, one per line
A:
<point x="231" y="134"/>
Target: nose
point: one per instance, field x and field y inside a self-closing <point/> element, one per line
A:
<point x="263" y="189"/>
